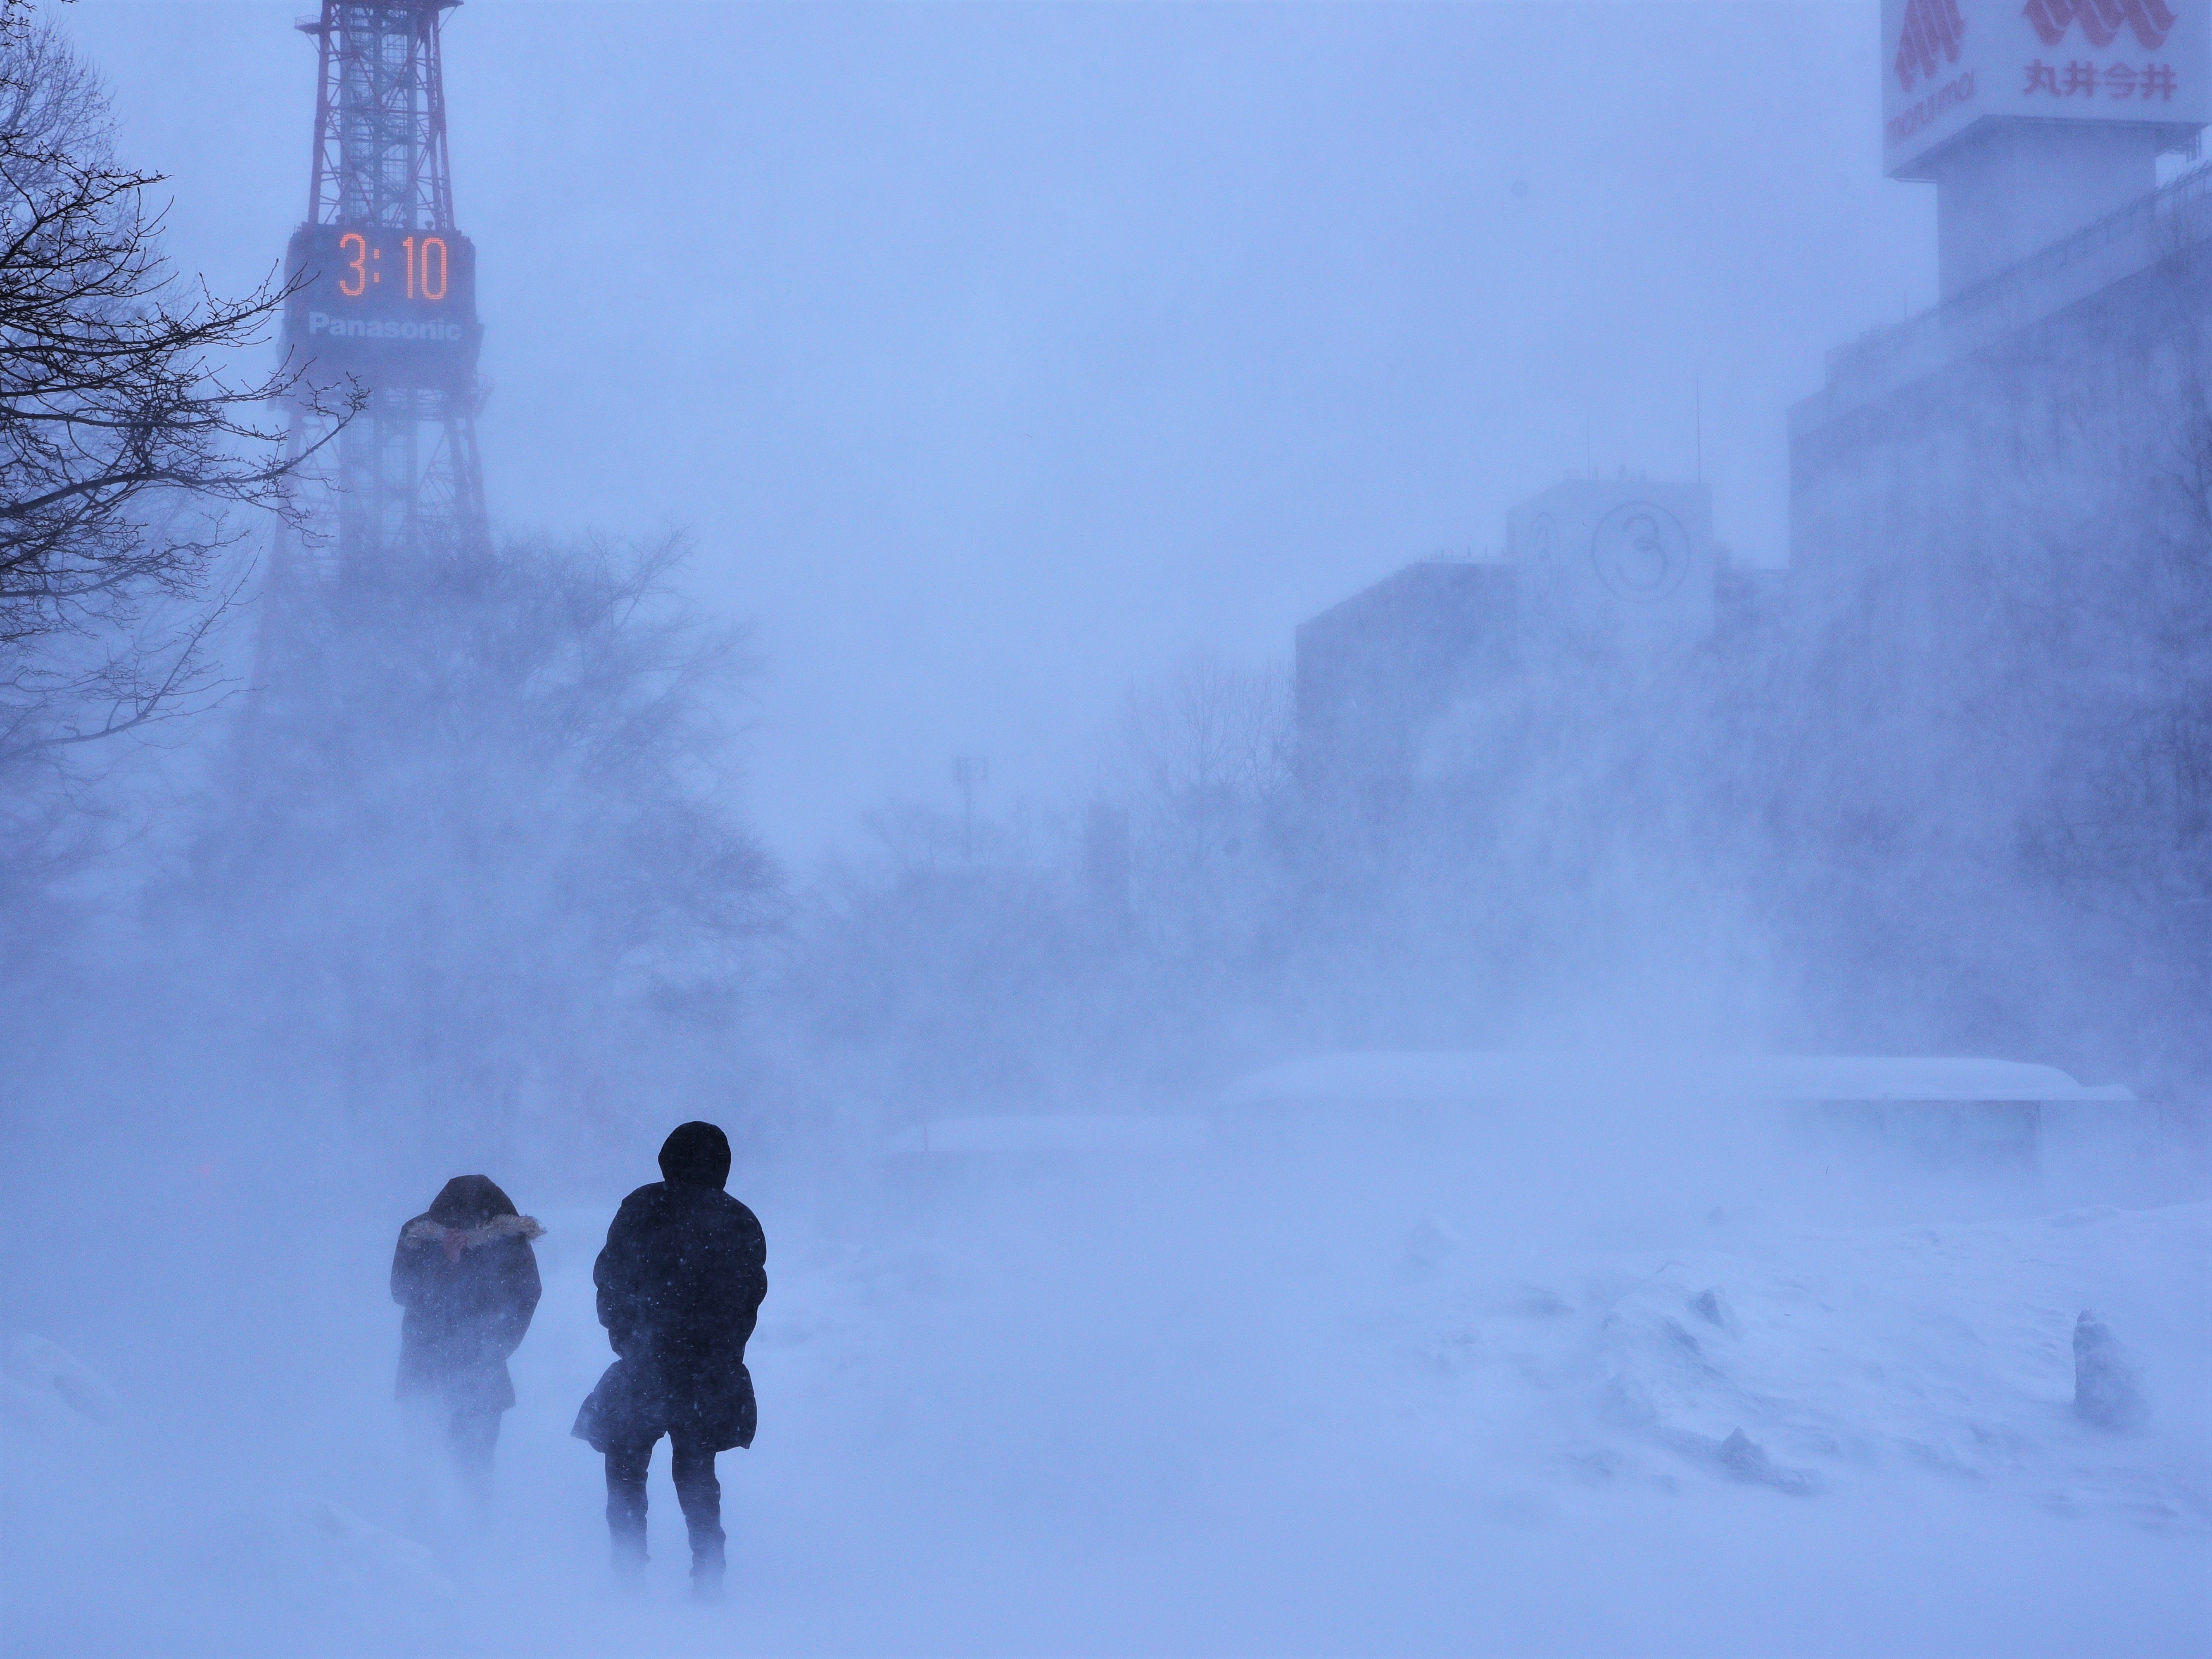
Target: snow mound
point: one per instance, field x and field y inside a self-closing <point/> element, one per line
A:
<point x="47" y="1389"/>
<point x="1819" y="1362"/>
<point x="1678" y="1369"/>
<point x="1429" y="1249"/>
<point x="322" y="1552"/>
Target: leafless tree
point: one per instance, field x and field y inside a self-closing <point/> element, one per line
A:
<point x="127" y="446"/>
<point x="1204" y="751"/>
<point x="480" y="848"/>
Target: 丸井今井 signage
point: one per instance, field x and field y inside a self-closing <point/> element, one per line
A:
<point x="1949" y="64"/>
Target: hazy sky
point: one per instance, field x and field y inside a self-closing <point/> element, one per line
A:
<point x="999" y="356"/>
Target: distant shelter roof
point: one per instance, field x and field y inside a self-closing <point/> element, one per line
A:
<point x="1411" y="1078"/>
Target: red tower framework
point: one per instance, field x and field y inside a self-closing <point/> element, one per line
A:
<point x="384" y="295"/>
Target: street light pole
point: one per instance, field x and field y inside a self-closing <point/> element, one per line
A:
<point x="967" y="771"/>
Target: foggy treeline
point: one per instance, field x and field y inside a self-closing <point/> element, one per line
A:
<point x="430" y="844"/>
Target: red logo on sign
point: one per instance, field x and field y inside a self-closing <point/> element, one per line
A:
<point x="1933" y="29"/>
<point x="2100" y="20"/>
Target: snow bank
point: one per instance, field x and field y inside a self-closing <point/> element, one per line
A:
<point x="321" y="1556"/>
<point x="47" y="1391"/>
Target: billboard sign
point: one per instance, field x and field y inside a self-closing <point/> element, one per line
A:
<point x="1947" y="64"/>
<point x="390" y="306"/>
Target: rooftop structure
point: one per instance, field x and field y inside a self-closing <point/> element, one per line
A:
<point x="2035" y="120"/>
<point x="2097" y="259"/>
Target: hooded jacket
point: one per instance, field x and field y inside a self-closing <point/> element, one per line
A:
<point x="680" y="1284"/>
<point x="465" y="1273"/>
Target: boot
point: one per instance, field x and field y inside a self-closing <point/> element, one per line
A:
<point x="706" y="1560"/>
<point x="629" y="1555"/>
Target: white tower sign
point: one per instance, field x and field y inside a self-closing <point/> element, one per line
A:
<point x="1949" y="65"/>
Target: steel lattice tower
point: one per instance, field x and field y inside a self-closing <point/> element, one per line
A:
<point x="386" y="295"/>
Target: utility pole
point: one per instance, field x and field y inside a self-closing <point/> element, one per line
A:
<point x="1698" y="418"/>
<point x="967" y="771"/>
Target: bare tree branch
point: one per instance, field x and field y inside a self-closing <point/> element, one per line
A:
<point x="131" y="459"/>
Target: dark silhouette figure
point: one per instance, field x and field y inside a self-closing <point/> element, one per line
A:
<point x="465" y="1273"/>
<point x="680" y="1285"/>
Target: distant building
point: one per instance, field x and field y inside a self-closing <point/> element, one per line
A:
<point x="1928" y="438"/>
<point x="1622" y="567"/>
<point x="1943" y="454"/>
<point x="1963" y="485"/>
<point x="1929" y="711"/>
<point x="2041" y="126"/>
<point x="1376" y="671"/>
<point x="1608" y="564"/>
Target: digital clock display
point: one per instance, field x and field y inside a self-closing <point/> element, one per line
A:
<point x="391" y="307"/>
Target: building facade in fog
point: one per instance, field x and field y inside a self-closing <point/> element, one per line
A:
<point x="1374" y="673"/>
<point x="1959" y="755"/>
<point x="1992" y="503"/>
<point x="1397" y="682"/>
<point x="2067" y="279"/>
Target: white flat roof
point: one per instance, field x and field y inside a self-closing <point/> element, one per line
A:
<point x="1408" y="1077"/>
<point x="1056" y="1132"/>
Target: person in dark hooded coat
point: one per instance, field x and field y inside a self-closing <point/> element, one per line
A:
<point x="465" y="1273"/>
<point x="680" y="1284"/>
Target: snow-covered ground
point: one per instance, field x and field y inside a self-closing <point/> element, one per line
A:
<point x="1188" y="1411"/>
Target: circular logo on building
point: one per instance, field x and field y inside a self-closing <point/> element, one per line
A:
<point x="1640" y="551"/>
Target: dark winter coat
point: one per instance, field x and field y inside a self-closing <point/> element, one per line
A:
<point x="680" y="1284"/>
<point x="465" y="1273"/>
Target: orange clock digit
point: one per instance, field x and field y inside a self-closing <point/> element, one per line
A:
<point x="433" y="289"/>
<point x="359" y="265"/>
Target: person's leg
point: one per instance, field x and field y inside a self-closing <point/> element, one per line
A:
<point x="429" y="1503"/>
<point x="470" y="1436"/>
<point x="701" y="1495"/>
<point x="626" y="1467"/>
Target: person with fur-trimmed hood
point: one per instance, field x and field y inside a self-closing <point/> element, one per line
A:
<point x="465" y="1273"/>
<point x="680" y="1285"/>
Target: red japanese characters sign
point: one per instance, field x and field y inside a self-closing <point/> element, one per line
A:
<point x="1947" y="64"/>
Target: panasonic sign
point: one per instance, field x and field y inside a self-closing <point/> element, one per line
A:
<point x="322" y="326"/>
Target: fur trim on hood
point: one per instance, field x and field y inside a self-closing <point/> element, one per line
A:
<point x="423" y="1230"/>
